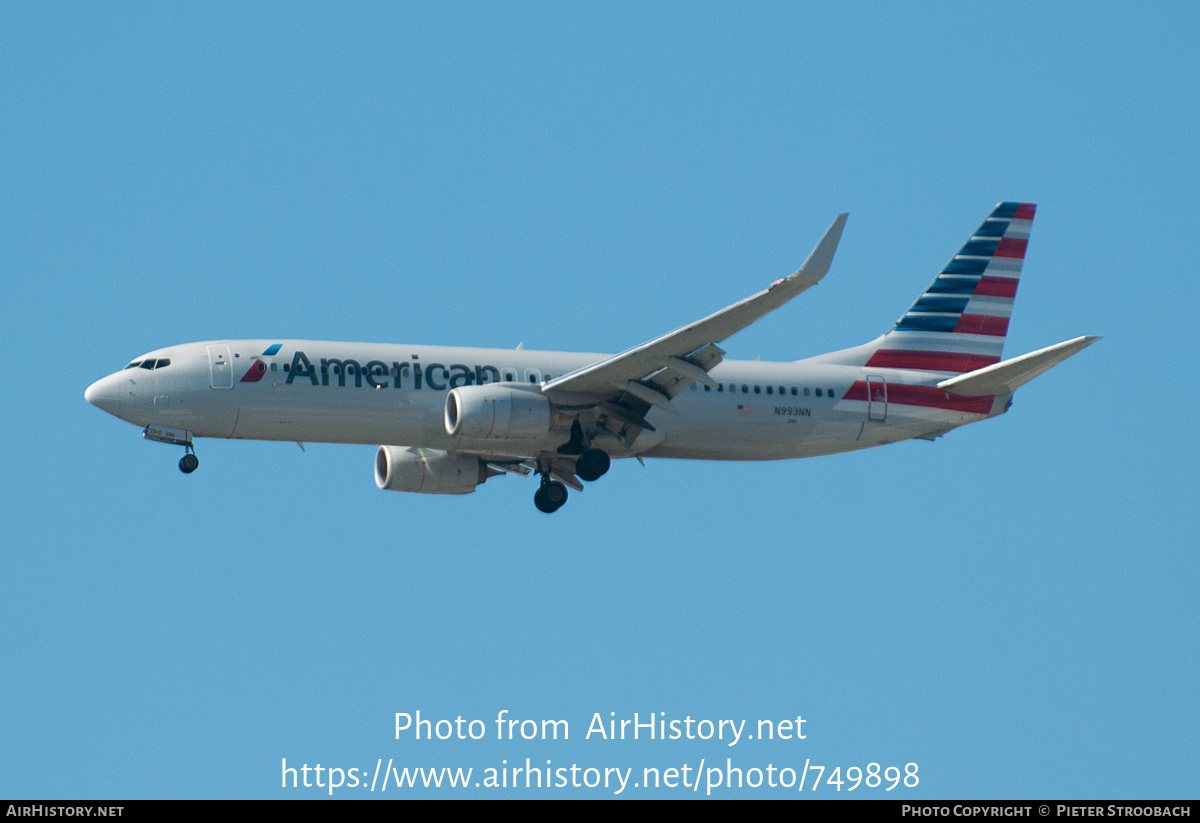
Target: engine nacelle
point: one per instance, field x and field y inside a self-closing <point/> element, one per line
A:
<point x="428" y="471"/>
<point x="496" y="411"/>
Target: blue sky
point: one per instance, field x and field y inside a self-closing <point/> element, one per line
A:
<point x="1012" y="608"/>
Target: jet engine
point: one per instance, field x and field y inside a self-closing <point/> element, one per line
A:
<point x="428" y="471"/>
<point x="497" y="412"/>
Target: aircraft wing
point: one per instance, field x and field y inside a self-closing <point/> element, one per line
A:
<point x="658" y="369"/>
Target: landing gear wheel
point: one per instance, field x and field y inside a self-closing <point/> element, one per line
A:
<point x="556" y="493"/>
<point x="188" y="463"/>
<point x="592" y="465"/>
<point x="550" y="497"/>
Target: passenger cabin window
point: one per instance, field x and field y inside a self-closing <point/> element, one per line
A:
<point x="510" y="376"/>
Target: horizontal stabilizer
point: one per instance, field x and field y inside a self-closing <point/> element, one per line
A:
<point x="1005" y="377"/>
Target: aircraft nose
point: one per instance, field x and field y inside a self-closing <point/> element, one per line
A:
<point x="103" y="394"/>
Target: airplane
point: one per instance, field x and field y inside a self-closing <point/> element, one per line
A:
<point x="450" y="417"/>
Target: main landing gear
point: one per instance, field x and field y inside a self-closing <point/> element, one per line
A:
<point x="590" y="465"/>
<point x="189" y="462"/>
<point x="550" y="496"/>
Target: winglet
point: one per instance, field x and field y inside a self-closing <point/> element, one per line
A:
<point x="821" y="257"/>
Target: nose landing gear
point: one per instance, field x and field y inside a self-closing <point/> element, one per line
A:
<point x="176" y="437"/>
<point x="189" y="462"/>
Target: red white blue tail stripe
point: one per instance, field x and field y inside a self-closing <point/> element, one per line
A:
<point x="959" y="322"/>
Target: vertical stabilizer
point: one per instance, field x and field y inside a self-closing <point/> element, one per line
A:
<point x="960" y="321"/>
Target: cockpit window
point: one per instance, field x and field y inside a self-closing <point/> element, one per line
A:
<point x="150" y="363"/>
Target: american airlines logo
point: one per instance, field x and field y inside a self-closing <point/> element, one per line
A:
<point x="377" y="374"/>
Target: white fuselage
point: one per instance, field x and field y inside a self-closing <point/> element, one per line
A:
<point x="339" y="392"/>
